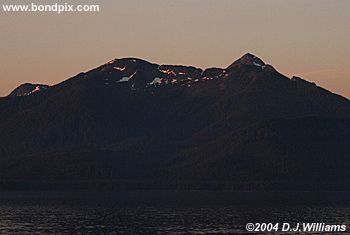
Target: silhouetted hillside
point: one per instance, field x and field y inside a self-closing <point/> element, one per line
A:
<point x="131" y="120"/>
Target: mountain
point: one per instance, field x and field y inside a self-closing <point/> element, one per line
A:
<point x="246" y="126"/>
<point x="28" y="89"/>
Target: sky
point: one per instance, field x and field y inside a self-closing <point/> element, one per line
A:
<point x="306" y="38"/>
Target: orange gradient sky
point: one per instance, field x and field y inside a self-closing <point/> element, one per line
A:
<point x="307" y="38"/>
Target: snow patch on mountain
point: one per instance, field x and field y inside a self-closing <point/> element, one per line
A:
<point x="156" y="81"/>
<point x="258" y="64"/>
<point x="168" y="71"/>
<point x="37" y="89"/>
<point x="126" y="79"/>
<point x="121" y="69"/>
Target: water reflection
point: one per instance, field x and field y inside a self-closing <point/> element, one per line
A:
<point x="75" y="216"/>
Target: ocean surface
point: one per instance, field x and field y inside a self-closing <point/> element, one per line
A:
<point x="170" y="212"/>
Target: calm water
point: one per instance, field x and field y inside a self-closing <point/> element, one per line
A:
<point x="163" y="212"/>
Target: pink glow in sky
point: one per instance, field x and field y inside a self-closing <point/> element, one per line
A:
<point x="307" y="38"/>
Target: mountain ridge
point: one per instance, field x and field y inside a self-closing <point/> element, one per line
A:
<point x="247" y="59"/>
<point x="134" y="120"/>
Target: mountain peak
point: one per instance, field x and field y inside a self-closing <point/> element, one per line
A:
<point x="251" y="59"/>
<point x="128" y="60"/>
<point x="248" y="59"/>
<point x="28" y="89"/>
